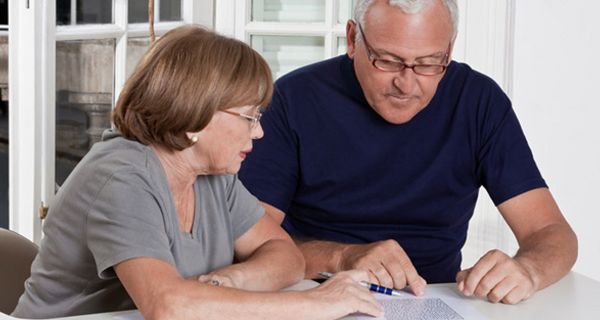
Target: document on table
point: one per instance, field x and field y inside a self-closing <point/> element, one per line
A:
<point x="437" y="304"/>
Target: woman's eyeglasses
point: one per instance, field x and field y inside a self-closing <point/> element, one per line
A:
<point x="254" y="118"/>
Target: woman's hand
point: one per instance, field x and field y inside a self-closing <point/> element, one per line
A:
<point x="229" y="276"/>
<point x="342" y="295"/>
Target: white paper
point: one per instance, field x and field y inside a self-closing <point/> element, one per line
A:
<point x="130" y="315"/>
<point x="438" y="303"/>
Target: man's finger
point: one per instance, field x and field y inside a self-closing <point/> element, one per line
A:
<point x="383" y="276"/>
<point x="478" y="271"/>
<point x="489" y="281"/>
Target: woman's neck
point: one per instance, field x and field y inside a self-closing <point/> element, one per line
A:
<point x="181" y="175"/>
<point x="178" y="169"/>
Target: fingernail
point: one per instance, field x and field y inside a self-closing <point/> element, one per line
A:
<point x="419" y="291"/>
<point x="461" y="286"/>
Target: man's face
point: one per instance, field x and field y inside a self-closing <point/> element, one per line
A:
<point x="421" y="38"/>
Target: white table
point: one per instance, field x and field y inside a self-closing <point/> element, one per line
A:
<point x="573" y="297"/>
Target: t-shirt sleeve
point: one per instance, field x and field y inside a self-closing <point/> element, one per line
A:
<point x="270" y="171"/>
<point x="506" y="164"/>
<point x="244" y="208"/>
<point x="124" y="222"/>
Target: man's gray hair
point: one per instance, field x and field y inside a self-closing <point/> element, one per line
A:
<point x="408" y="6"/>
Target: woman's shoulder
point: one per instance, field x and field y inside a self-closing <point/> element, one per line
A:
<point x="121" y="154"/>
<point x="117" y="158"/>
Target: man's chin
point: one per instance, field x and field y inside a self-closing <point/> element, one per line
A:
<point x="398" y="115"/>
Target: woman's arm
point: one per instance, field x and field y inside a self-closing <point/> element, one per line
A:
<point x="269" y="260"/>
<point x="160" y="293"/>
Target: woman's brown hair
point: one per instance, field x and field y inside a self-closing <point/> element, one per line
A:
<point x="186" y="76"/>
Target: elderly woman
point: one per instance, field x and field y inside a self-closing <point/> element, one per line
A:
<point x="154" y="216"/>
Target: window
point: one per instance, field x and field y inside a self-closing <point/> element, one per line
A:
<point x="3" y="113"/>
<point x="288" y="33"/>
<point x="90" y="67"/>
<point x="80" y="52"/>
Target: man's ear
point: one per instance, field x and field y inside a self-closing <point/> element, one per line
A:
<point x="351" y="38"/>
<point x="451" y="50"/>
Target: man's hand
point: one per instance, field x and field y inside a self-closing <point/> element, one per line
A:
<point x="386" y="263"/>
<point x="498" y="277"/>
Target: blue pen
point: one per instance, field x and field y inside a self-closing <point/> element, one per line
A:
<point x="368" y="285"/>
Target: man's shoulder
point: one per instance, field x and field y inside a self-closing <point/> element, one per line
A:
<point x="460" y="72"/>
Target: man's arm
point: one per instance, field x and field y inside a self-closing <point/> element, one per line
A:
<point x="547" y="251"/>
<point x="385" y="261"/>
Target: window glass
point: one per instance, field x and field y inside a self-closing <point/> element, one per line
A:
<point x="286" y="53"/>
<point x="136" y="47"/>
<point x="63" y="12"/>
<point x="288" y="10"/>
<point x="84" y="85"/>
<point x="4" y="12"/>
<point x="170" y="10"/>
<point x="341" y="45"/>
<point x="4" y="132"/>
<point x="85" y="11"/>
<point x="97" y="11"/>
<point x="345" y="10"/>
<point x="137" y="11"/>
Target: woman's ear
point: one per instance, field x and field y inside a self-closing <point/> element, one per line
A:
<point x="193" y="136"/>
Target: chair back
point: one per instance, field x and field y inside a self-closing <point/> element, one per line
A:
<point x="16" y="255"/>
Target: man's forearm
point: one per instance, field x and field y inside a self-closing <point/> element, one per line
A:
<point x="320" y="256"/>
<point x="548" y="254"/>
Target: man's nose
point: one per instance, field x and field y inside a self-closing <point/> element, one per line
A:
<point x="405" y="80"/>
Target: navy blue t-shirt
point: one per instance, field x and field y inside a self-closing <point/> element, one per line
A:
<point x="341" y="172"/>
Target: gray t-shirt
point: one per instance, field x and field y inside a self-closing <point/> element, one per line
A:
<point x="115" y="206"/>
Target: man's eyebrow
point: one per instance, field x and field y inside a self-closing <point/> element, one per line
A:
<point x="439" y="54"/>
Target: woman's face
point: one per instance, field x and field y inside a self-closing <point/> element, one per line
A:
<point x="224" y="143"/>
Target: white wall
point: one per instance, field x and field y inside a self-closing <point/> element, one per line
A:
<point x="555" y="94"/>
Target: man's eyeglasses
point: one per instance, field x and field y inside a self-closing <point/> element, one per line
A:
<point x="254" y="118"/>
<point x="397" y="66"/>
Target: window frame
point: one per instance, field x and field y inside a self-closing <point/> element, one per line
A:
<point x="240" y="26"/>
<point x="32" y="98"/>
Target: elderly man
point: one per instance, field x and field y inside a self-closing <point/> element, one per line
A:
<point x="373" y="160"/>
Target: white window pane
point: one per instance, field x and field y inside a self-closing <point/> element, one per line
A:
<point x="136" y="47"/>
<point x="85" y="11"/>
<point x="341" y="45"/>
<point x="137" y="11"/>
<point x="345" y="10"/>
<point x="4" y="12"/>
<point x="84" y="85"/>
<point x="63" y="12"/>
<point x="4" y="132"/>
<point x="286" y="53"/>
<point x="170" y="10"/>
<point x="288" y="10"/>
<point x="97" y="11"/>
